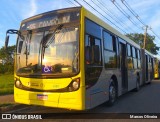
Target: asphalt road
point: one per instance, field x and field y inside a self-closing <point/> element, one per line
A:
<point x="146" y="100"/>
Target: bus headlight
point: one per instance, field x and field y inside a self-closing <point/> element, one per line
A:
<point x="18" y="84"/>
<point x="75" y="84"/>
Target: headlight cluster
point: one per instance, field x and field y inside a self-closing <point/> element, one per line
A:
<point x="18" y="83"/>
<point x="74" y="85"/>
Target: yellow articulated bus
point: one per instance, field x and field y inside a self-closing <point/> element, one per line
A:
<point x="69" y="58"/>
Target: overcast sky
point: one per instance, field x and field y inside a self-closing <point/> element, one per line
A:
<point x="12" y="12"/>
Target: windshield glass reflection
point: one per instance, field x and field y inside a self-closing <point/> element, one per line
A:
<point x="58" y="56"/>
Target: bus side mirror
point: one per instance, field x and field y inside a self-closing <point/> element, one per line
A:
<point x="11" y="31"/>
<point x="6" y="41"/>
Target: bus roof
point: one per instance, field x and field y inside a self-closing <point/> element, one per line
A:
<point x="91" y="16"/>
<point x="100" y="22"/>
<point x="51" y="12"/>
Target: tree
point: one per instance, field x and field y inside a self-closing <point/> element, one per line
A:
<point x="7" y="56"/>
<point x="139" y="38"/>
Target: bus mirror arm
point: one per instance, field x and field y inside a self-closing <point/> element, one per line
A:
<point x="6" y="41"/>
<point x="11" y="31"/>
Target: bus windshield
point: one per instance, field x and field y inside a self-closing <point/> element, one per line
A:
<point x="49" y="53"/>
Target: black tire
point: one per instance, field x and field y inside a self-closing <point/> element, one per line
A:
<point x="150" y="79"/>
<point x="149" y="83"/>
<point x="112" y="94"/>
<point x="137" y="85"/>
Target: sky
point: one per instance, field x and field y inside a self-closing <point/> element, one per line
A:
<point x="12" y="12"/>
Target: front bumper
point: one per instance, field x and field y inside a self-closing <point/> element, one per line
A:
<point x="68" y="100"/>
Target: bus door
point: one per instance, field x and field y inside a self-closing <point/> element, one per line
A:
<point x="122" y="50"/>
<point x="146" y="67"/>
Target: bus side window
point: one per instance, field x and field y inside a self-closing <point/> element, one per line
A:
<point x="20" y="46"/>
<point x="92" y="50"/>
<point x="128" y="50"/>
<point x="134" y="56"/>
<point x="129" y="57"/>
<point x="110" y="56"/>
<point x="88" y="54"/>
<point x="138" y="58"/>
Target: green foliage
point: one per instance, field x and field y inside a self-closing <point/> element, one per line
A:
<point x="139" y="38"/>
<point x="6" y="68"/>
<point x="6" y="84"/>
<point x="2" y="69"/>
<point x="7" y="54"/>
<point x="8" y="59"/>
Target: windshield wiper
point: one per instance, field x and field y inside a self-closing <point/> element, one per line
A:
<point x="48" y="40"/>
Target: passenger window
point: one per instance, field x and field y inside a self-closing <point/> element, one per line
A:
<point x="109" y="42"/>
<point x="110" y="59"/>
<point x="133" y="52"/>
<point x="92" y="28"/>
<point x="93" y="50"/>
<point x="138" y="54"/>
<point x="129" y="58"/>
<point x="110" y="50"/>
<point x="128" y="50"/>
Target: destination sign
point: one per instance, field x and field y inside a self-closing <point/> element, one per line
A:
<point x="50" y="19"/>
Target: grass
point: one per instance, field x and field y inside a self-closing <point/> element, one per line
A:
<point x="6" y="104"/>
<point x="6" y="84"/>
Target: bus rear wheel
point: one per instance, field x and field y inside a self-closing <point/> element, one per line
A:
<point x="112" y="94"/>
<point x="137" y="85"/>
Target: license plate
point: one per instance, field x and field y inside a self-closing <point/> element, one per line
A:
<point x="42" y="97"/>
